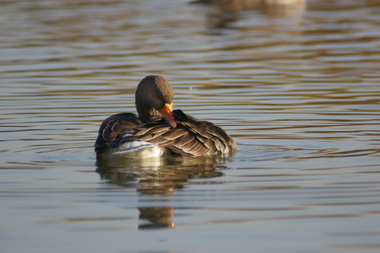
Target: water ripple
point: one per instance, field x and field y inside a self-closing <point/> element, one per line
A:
<point x="296" y="85"/>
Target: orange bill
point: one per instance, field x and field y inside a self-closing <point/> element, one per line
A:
<point x="166" y="112"/>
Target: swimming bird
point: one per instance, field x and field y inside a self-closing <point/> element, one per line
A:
<point x="159" y="130"/>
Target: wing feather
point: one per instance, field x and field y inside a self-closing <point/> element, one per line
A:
<point x="191" y="137"/>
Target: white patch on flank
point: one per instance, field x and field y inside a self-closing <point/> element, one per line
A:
<point x="140" y="149"/>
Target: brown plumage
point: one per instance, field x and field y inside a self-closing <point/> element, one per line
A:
<point x="157" y="124"/>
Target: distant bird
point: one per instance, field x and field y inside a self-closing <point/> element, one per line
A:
<point x="158" y="130"/>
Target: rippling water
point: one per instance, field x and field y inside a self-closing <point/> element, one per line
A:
<point x="297" y="86"/>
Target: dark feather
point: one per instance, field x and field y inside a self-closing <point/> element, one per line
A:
<point x="113" y="128"/>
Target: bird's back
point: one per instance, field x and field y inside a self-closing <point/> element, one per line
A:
<point x="191" y="137"/>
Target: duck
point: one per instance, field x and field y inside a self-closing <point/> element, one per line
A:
<point x="158" y="130"/>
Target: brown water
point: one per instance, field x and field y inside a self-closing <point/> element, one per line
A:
<point x="297" y="87"/>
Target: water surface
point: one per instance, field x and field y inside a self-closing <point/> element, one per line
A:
<point x="298" y="88"/>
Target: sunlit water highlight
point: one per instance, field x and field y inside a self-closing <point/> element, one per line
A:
<point x="297" y="87"/>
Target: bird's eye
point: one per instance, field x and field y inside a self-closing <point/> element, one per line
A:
<point x="159" y="97"/>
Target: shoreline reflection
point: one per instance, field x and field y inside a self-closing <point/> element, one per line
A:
<point x="223" y="12"/>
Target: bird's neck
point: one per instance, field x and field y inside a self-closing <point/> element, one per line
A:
<point x="146" y="112"/>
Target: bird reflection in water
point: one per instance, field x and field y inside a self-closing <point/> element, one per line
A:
<point x="157" y="177"/>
